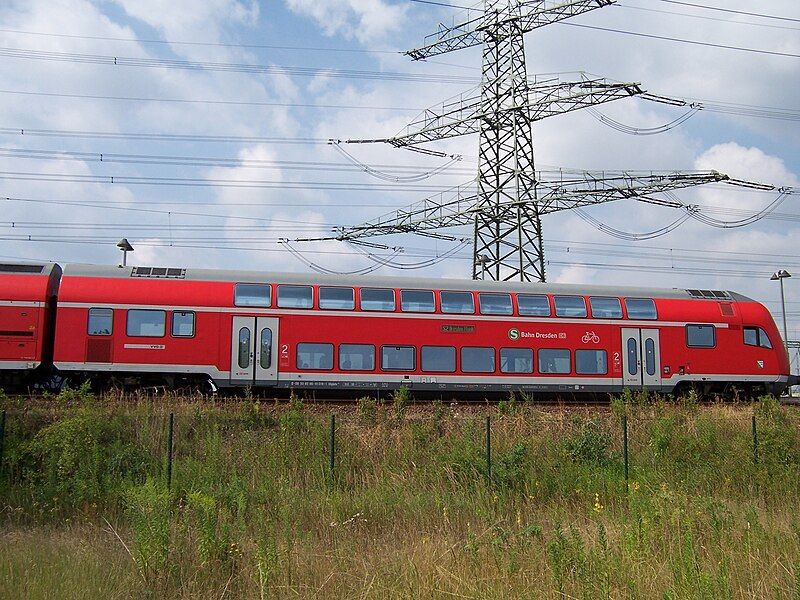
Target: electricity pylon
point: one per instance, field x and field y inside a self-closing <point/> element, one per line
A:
<point x="506" y="211"/>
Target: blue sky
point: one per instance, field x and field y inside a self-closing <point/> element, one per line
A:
<point x="238" y="225"/>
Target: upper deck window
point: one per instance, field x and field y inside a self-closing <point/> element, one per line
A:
<point x="182" y="324"/>
<point x="337" y="298"/>
<point x="701" y="336"/>
<point x="641" y="308"/>
<point x="755" y="336"/>
<point x="570" y="306"/>
<point x="495" y="304"/>
<point x="533" y="306"/>
<point x="605" y="308"/>
<point x="252" y="294"/>
<point x="146" y="323"/>
<point x="295" y="296"/>
<point x="101" y="321"/>
<point x="417" y="301"/>
<point x="377" y="299"/>
<point x="457" y="303"/>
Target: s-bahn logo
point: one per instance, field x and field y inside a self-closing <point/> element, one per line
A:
<point x="590" y="336"/>
<point x="513" y="334"/>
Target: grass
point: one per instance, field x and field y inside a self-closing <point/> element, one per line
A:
<point x="254" y="511"/>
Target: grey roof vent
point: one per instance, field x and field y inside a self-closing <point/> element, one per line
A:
<point x="709" y="294"/>
<point x="28" y="269"/>
<point x="158" y="272"/>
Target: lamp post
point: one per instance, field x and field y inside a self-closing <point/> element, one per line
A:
<point x="126" y="247"/>
<point x="780" y="275"/>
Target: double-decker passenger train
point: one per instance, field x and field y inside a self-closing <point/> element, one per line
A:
<point x="175" y="327"/>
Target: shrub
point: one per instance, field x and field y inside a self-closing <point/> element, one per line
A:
<point x="148" y="509"/>
<point x="401" y="398"/>
<point x="590" y="444"/>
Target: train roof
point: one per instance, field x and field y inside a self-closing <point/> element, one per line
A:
<point x="243" y="276"/>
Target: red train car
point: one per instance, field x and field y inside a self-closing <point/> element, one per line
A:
<point x="243" y="328"/>
<point x="27" y="313"/>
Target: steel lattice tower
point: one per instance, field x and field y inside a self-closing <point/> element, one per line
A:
<point x="510" y="200"/>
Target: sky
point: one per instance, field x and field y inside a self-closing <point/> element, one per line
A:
<point x="123" y="89"/>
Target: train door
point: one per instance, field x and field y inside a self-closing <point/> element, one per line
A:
<point x="253" y="356"/>
<point x="641" y="358"/>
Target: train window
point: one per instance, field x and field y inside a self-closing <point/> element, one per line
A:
<point x="554" y="361"/>
<point x="533" y="306"/>
<point x="439" y="358"/>
<point x="477" y="360"/>
<point x="633" y="357"/>
<point x="457" y="302"/>
<point x="516" y="360"/>
<point x="337" y="298"/>
<point x="605" y="308"/>
<point x="252" y="294"/>
<point x="146" y="323"/>
<point x="701" y="336"/>
<point x="641" y="308"/>
<point x="377" y="299"/>
<point x="315" y="356"/>
<point x="416" y="301"/>
<point x="495" y="304"/>
<point x="266" y="348"/>
<point x="244" y="348"/>
<point x="650" y="356"/>
<point x="755" y="336"/>
<point x="101" y="321"/>
<point x="591" y="362"/>
<point x="397" y="358"/>
<point x="570" y="306"/>
<point x="182" y="324"/>
<point x="356" y="357"/>
<point x="295" y="296"/>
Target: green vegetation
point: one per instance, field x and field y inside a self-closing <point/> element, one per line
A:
<point x="254" y="511"/>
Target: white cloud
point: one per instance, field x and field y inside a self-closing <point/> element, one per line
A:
<point x="364" y="20"/>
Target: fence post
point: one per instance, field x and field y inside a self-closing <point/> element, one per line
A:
<point x="2" y="436"/>
<point x="332" y="465"/>
<point x="489" y="448"/>
<point x="169" y="449"/>
<point x="755" y="442"/>
<point x="625" y="449"/>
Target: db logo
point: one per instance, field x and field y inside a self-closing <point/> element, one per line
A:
<point x="590" y="336"/>
<point x="513" y="334"/>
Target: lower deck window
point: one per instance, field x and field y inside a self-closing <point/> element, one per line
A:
<point x="146" y="323"/>
<point x="477" y="360"/>
<point x="438" y="358"/>
<point x="554" y="361"/>
<point x="591" y="362"/>
<point x="701" y="336"/>
<point x="315" y="356"/>
<point x="516" y="360"/>
<point x="356" y="357"/>
<point x="397" y="358"/>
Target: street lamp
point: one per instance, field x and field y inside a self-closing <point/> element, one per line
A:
<point x="780" y="275"/>
<point x="126" y="247"/>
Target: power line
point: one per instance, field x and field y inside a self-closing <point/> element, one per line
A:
<point x="415" y="171"/>
<point x="211" y="44"/>
<point x="707" y="18"/>
<point x="681" y="40"/>
<point x="196" y="101"/>
<point x="127" y="61"/>
<point x="730" y="10"/>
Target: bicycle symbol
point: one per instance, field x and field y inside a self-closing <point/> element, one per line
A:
<point x="590" y="336"/>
